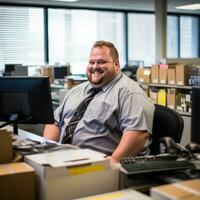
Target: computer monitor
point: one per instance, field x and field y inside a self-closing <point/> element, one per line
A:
<point x="195" y="125"/>
<point x="25" y="100"/>
<point x="60" y="72"/>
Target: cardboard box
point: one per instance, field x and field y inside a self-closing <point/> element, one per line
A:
<point x="70" y="174"/>
<point x="163" y="76"/>
<point x="139" y="75"/>
<point x="147" y="75"/>
<point x="47" y="71"/>
<point x="126" y="194"/>
<point x="183" y="190"/>
<point x="182" y="73"/>
<point x="171" y="98"/>
<point x="6" y="155"/>
<point x="154" y="73"/>
<point x="143" y="75"/>
<point x="171" y="76"/>
<point x="163" y="66"/>
<point x="17" y="181"/>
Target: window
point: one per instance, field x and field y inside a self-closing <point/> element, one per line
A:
<point x="21" y="36"/>
<point x="172" y="37"/>
<point x="189" y="36"/>
<point x="141" y="38"/>
<point x="72" y="33"/>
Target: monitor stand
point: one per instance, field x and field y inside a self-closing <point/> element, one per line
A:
<point x="15" y="127"/>
<point x="13" y="120"/>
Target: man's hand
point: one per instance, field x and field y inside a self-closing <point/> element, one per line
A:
<point x="112" y="160"/>
<point x="52" y="132"/>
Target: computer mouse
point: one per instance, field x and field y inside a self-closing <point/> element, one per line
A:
<point x="193" y="147"/>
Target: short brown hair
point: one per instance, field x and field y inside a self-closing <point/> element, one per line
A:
<point x="113" y="51"/>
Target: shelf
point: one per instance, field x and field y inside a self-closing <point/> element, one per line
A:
<point x="180" y="89"/>
<point x="184" y="113"/>
<point x="166" y="86"/>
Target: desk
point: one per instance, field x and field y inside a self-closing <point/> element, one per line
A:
<point x="69" y="177"/>
<point x="26" y="134"/>
<point x="140" y="182"/>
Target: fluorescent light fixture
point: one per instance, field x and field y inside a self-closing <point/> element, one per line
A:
<point x="66" y="0"/>
<point x="195" y="6"/>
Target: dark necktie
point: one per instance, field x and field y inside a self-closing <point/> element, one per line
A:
<point x="69" y="131"/>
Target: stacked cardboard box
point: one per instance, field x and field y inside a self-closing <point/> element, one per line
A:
<point x="6" y="155"/>
<point x="47" y="71"/>
<point x="183" y="72"/>
<point x="17" y="180"/>
<point x="184" y="190"/>
<point x="154" y="73"/>
<point x="75" y="173"/>
<point x="163" y="68"/>
<point x="171" y="74"/>
<point x="143" y="75"/>
<point x="171" y="98"/>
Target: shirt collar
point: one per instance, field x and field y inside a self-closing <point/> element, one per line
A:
<point x="105" y="87"/>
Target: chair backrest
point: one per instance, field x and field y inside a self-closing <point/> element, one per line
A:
<point x="166" y="122"/>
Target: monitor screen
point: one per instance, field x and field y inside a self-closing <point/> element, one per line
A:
<point x="25" y="100"/>
<point x="60" y="72"/>
<point x="195" y="125"/>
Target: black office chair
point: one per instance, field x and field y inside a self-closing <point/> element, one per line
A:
<point x="166" y="122"/>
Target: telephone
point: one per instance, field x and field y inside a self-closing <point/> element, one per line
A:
<point x="167" y="145"/>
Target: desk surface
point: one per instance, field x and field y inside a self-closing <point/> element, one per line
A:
<point x="26" y="134"/>
<point x="140" y="183"/>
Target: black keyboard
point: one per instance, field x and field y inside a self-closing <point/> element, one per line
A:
<point x="143" y="164"/>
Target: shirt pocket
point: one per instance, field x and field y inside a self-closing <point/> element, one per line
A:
<point x="98" y="112"/>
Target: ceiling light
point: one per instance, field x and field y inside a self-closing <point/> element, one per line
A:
<point x="190" y="7"/>
<point x="66" y="0"/>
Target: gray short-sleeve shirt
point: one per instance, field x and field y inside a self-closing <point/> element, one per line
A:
<point x="121" y="106"/>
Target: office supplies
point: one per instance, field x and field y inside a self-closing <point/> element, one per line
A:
<point x="28" y="146"/>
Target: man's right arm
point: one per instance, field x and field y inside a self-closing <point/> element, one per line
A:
<point x="52" y="132"/>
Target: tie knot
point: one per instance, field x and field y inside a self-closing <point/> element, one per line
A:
<point x="96" y="90"/>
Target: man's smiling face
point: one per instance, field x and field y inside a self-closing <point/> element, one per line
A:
<point x="101" y="68"/>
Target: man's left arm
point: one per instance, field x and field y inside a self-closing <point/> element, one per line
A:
<point x="131" y="143"/>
